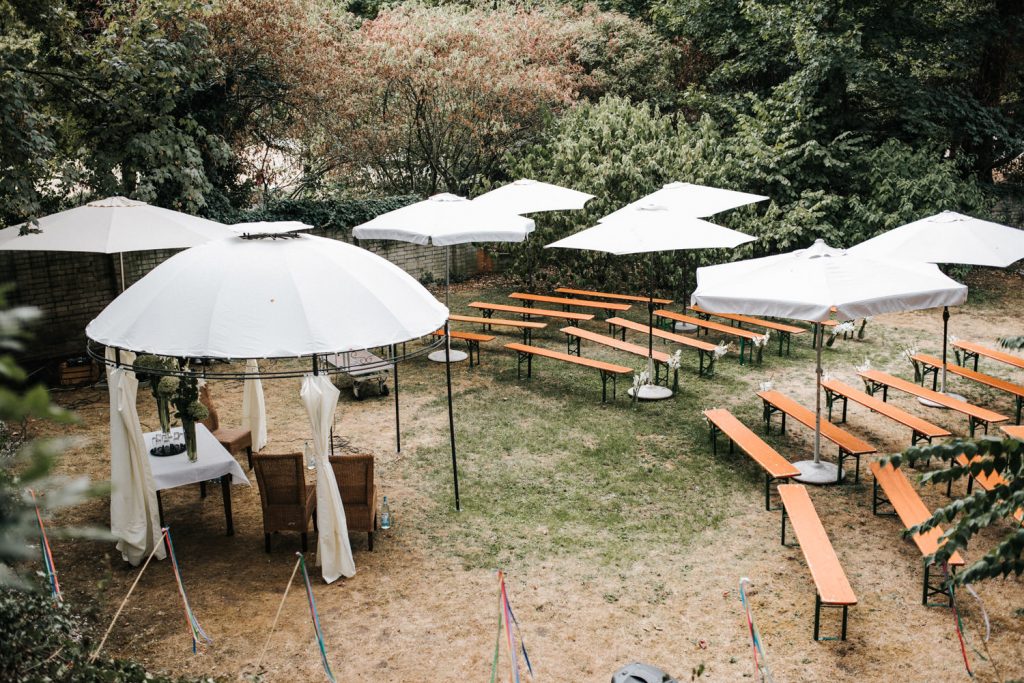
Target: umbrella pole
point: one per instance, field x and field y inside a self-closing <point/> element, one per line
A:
<point x="451" y="418"/>
<point x="817" y="399"/>
<point x="650" y="318"/>
<point x="945" y="338"/>
<point x="447" y="273"/>
<point x="398" y="424"/>
<point x="120" y="256"/>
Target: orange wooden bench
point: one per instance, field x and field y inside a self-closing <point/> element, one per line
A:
<point x="849" y="445"/>
<point x="972" y="351"/>
<point x="875" y="379"/>
<point x="705" y="349"/>
<point x="985" y="481"/>
<point x="472" y="340"/>
<point x="525" y="352"/>
<point x="921" y="430"/>
<point x="613" y="297"/>
<point x="660" y="357"/>
<point x="925" y="365"/>
<point x="832" y="587"/>
<point x="1016" y="431"/>
<point x="784" y="331"/>
<point x="774" y="465"/>
<point x="566" y="303"/>
<point x="525" y="325"/>
<point x="746" y="337"/>
<point x="901" y="496"/>
<point x="528" y="311"/>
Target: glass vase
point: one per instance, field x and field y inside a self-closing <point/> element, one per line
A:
<point x="163" y="410"/>
<point x="189" y="428"/>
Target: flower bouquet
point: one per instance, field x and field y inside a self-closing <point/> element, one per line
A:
<point x="163" y="386"/>
<point x="189" y="410"/>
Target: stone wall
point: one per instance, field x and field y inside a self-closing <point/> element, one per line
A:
<point x="72" y="288"/>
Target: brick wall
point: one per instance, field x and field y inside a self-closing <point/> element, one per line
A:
<point x="72" y="288"/>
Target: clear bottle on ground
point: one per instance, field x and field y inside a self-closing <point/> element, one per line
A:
<point x="385" y="514"/>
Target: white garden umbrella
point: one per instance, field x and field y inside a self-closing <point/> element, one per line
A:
<point x="333" y="550"/>
<point x="811" y="284"/>
<point x="948" y="237"/>
<point x="112" y="226"/>
<point x="652" y="229"/>
<point x="254" y="407"/>
<point x="134" y="513"/>
<point x="525" y="196"/>
<point x="444" y="220"/>
<point x="268" y="227"/>
<point x="699" y="201"/>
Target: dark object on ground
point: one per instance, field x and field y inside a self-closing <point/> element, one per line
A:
<point x="641" y="673"/>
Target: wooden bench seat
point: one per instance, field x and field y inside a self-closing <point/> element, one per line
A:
<point x="784" y="331"/>
<point x="849" y="445"/>
<point x="875" y="379"/>
<point x="1015" y="431"/>
<point x="526" y="326"/>
<point x="660" y="357"/>
<point x="932" y="365"/>
<point x="528" y="312"/>
<point x="832" y="587"/>
<point x="566" y="303"/>
<point x="901" y="496"/>
<point x="774" y="465"/>
<point x="472" y="340"/>
<point x="972" y="351"/>
<point x="746" y="337"/>
<point x="612" y="296"/>
<point x="985" y="481"/>
<point x="921" y="430"/>
<point x="525" y="352"/>
<point x="706" y="350"/>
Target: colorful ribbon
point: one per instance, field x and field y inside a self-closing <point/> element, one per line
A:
<point x="195" y="629"/>
<point x="957" y="621"/>
<point x="760" y="665"/>
<point x="44" y="542"/>
<point x="316" y="620"/>
<point x="507" y="619"/>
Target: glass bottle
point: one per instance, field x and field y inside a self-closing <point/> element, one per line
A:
<point x="385" y="515"/>
<point x="310" y="459"/>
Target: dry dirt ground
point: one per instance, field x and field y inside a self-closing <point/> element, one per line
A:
<point x="416" y="611"/>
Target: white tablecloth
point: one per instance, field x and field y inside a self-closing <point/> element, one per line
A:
<point x="213" y="462"/>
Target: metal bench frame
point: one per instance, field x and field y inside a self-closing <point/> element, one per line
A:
<point x="768" y="478"/>
<point x="818" y="604"/>
<point x="770" y="410"/>
<point x="528" y="357"/>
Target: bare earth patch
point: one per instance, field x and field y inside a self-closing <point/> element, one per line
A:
<point x="623" y="537"/>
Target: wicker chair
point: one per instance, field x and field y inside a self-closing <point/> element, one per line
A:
<point x="233" y="440"/>
<point x="288" y="502"/>
<point x="358" y="492"/>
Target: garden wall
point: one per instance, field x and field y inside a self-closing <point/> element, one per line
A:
<point x="72" y="288"/>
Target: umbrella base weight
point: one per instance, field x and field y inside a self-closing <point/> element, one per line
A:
<point x="686" y="328"/>
<point x="933" y="404"/>
<point x="817" y="473"/>
<point x="453" y="355"/>
<point x="651" y="392"/>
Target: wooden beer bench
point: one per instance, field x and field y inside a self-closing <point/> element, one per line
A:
<point x="525" y="325"/>
<point x="566" y="304"/>
<point x="785" y="331"/>
<point x="921" y="430"/>
<point x="901" y="496"/>
<point x="660" y="357"/>
<point x="613" y="297"/>
<point x="774" y="465"/>
<point x="527" y="312"/>
<point x="876" y="379"/>
<point x="705" y="349"/>
<point x="925" y="365"/>
<point x="972" y="351"/>
<point x="525" y="352"/>
<point x="745" y="336"/>
<point x="472" y="340"/>
<point x="849" y="445"/>
<point x="832" y="588"/>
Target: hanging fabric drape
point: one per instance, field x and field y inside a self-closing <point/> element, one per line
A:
<point x="333" y="551"/>
<point x="134" y="517"/>
<point x="254" y="408"/>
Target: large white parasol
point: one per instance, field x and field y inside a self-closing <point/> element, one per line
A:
<point x="525" y="196"/>
<point x="809" y="284"/>
<point x="948" y="237"/>
<point x="651" y="229"/>
<point x="112" y="226"/>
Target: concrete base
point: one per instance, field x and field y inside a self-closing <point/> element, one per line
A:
<point x="817" y="473"/>
<point x="453" y="355"/>
<point x="687" y="328"/>
<point x="651" y="392"/>
<point x="933" y="404"/>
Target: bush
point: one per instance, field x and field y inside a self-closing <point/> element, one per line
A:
<point x="333" y="217"/>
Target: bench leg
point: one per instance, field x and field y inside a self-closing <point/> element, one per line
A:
<point x="768" y="479"/>
<point x="817" y="615"/>
<point x="856" y="472"/>
<point x="743" y="346"/>
<point x="1020" y="404"/>
<point x="714" y="438"/>
<point x="878" y="499"/>
<point x="817" y="619"/>
<point x="784" y="515"/>
<point x="930" y="591"/>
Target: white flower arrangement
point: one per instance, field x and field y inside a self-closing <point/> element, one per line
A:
<point x="675" y="360"/>
<point x="865" y="366"/>
<point x="721" y="349"/>
<point x="640" y="379"/>
<point x="910" y="351"/>
<point x="767" y="385"/>
<point x="952" y="339"/>
<point x="763" y="340"/>
<point x="843" y="328"/>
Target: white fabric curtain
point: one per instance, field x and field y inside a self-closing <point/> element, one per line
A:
<point x="333" y="551"/>
<point x="254" y="409"/>
<point x="134" y="517"/>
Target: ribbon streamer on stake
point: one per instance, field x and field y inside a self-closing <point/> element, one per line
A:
<point x="44" y="542"/>
<point x="760" y="664"/>
<point x="957" y="621"/>
<point x="507" y="620"/>
<point x="193" y="623"/>
<point x="316" y="620"/>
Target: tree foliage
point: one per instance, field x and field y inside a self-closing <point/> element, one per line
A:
<point x="967" y="516"/>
